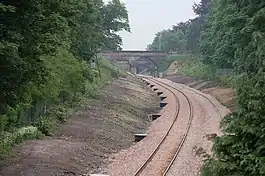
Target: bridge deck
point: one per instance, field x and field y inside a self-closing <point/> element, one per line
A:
<point x="134" y="53"/>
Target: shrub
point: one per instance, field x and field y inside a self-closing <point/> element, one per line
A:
<point x="198" y="69"/>
<point x="8" y="139"/>
<point x="45" y="125"/>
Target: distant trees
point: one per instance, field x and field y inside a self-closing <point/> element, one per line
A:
<point x="183" y="36"/>
<point x="168" y="40"/>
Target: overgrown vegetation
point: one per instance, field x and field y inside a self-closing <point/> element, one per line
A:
<point x="233" y="36"/>
<point x="165" y="63"/>
<point x="196" y="68"/>
<point x="236" y="38"/>
<point x="48" y="64"/>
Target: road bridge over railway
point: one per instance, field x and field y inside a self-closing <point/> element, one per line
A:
<point x="135" y="58"/>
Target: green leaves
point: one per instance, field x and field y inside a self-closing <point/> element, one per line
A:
<point x="185" y="36"/>
<point x="114" y="18"/>
<point x="46" y="47"/>
<point x="235" y="34"/>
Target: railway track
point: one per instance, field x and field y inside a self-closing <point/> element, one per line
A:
<point x="178" y="148"/>
<point x="204" y="96"/>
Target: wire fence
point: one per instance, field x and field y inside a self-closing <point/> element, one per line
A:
<point x="32" y="114"/>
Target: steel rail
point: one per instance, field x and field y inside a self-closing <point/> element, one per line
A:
<point x="166" y="86"/>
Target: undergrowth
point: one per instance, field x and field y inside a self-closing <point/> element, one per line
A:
<point x="16" y="136"/>
<point x="165" y="63"/>
<point x="196" y="68"/>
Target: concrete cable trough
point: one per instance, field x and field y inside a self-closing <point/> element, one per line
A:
<point x="155" y="89"/>
<point x="153" y="117"/>
<point x="162" y="98"/>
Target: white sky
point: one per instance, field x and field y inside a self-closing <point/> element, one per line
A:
<point x="147" y="17"/>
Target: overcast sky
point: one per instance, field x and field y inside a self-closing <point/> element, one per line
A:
<point x="147" y="17"/>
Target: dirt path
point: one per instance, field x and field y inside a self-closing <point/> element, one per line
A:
<point x="81" y="145"/>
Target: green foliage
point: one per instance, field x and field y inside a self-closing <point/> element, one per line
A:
<point x="66" y="77"/>
<point x="45" y="125"/>
<point x="169" y="41"/>
<point x="201" y="9"/>
<point x="165" y="63"/>
<point x="47" y="49"/>
<point x="33" y="31"/>
<point x="230" y="80"/>
<point x="185" y="36"/>
<point x="196" y="68"/>
<point x="235" y="37"/>
<point x="114" y="18"/>
<point x="9" y="139"/>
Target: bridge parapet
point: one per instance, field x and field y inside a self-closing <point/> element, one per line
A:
<point x="134" y="54"/>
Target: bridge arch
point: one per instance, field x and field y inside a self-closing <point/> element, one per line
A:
<point x="148" y="64"/>
<point x="145" y="58"/>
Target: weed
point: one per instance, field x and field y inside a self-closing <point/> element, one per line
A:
<point x="9" y="139"/>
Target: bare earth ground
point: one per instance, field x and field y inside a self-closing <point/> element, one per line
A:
<point x="82" y="145"/>
<point x="226" y="96"/>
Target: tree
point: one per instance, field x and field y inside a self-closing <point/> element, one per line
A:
<point x="236" y="35"/>
<point x="29" y="29"/>
<point x="34" y="30"/>
<point x="201" y="9"/>
<point x="114" y="17"/>
<point x="184" y="36"/>
<point x="169" y="41"/>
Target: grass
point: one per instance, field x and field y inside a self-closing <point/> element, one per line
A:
<point x="194" y="67"/>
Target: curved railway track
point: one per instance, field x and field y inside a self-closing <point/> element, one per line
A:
<point x="178" y="148"/>
<point x="182" y="142"/>
<point x="169" y="88"/>
<point x="204" y="96"/>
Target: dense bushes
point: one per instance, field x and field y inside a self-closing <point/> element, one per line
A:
<point x="236" y="36"/>
<point x="196" y="68"/>
<point x="8" y="139"/>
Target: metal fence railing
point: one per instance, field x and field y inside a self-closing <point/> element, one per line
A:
<point x="31" y="115"/>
